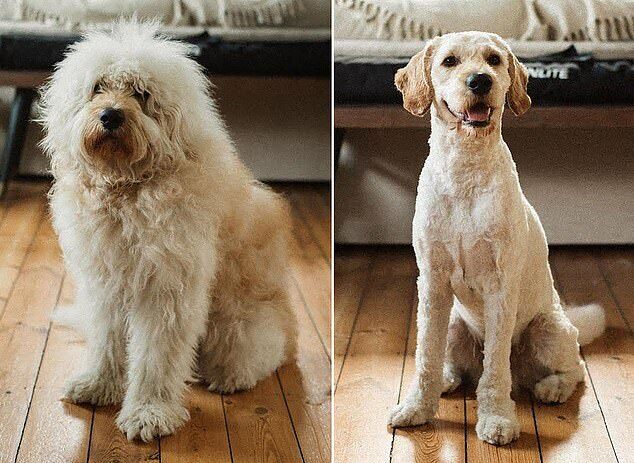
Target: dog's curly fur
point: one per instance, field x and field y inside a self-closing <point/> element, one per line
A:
<point x="178" y="254"/>
<point x="486" y="295"/>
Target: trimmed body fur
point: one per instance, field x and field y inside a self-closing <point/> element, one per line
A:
<point x="488" y="310"/>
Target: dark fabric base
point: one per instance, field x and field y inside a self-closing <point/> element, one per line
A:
<point x="21" y="52"/>
<point x="563" y="78"/>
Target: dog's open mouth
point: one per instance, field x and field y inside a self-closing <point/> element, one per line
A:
<point x="478" y="115"/>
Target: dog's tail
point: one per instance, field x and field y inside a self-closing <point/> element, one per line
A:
<point x="589" y="320"/>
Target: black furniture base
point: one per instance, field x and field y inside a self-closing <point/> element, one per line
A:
<point x="16" y="132"/>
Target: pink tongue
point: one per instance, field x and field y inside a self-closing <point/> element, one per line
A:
<point x="478" y="113"/>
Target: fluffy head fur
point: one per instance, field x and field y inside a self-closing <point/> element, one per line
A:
<point x="149" y="78"/>
<point x="427" y="79"/>
<point x="175" y="249"/>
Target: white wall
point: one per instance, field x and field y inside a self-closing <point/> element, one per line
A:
<point x="281" y="126"/>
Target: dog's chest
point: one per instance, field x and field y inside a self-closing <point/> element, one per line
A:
<point x="471" y="231"/>
<point x="459" y="219"/>
<point x="474" y="270"/>
<point x="111" y="234"/>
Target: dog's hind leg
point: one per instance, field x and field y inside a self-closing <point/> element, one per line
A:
<point x="551" y="341"/>
<point x="237" y="352"/>
<point x="463" y="357"/>
<point x="252" y="328"/>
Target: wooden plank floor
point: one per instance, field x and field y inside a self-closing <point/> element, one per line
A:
<point x="285" y="418"/>
<point x="374" y="339"/>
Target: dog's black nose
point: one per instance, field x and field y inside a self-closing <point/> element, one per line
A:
<point x="479" y="83"/>
<point x="111" y="118"/>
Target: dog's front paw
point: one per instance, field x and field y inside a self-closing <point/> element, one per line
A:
<point x="410" y="413"/>
<point x="150" y="420"/>
<point x="498" y="429"/>
<point x="93" y="389"/>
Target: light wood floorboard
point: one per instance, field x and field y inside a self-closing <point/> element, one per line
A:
<point x="286" y="418"/>
<point x="375" y="342"/>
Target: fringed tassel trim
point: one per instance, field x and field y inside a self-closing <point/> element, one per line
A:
<point x="400" y="26"/>
<point x="600" y="28"/>
<point x="604" y="30"/>
<point x="271" y="13"/>
<point x="31" y="14"/>
<point x="389" y="24"/>
<point x="614" y="29"/>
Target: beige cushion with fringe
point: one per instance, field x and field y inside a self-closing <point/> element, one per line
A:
<point x="256" y="13"/>
<point x="76" y="14"/>
<point x="72" y="14"/>
<point x="425" y="19"/>
<point x="248" y="13"/>
<point x="569" y="20"/>
<point x="595" y="20"/>
<point x="253" y="13"/>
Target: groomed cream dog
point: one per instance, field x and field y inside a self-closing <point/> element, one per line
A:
<point x="178" y="254"/>
<point x="486" y="295"/>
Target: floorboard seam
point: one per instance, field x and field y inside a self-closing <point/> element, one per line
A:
<point x="400" y="385"/>
<point x="613" y="296"/>
<point x="28" y="408"/>
<point x="26" y="253"/>
<point x="539" y="444"/>
<point x="464" y="422"/>
<point x="290" y="416"/>
<point x="354" y="321"/>
<point x="37" y="374"/>
<point x="224" y="412"/>
<point x="92" y="424"/>
<point x="307" y="226"/>
<point x="310" y="316"/>
<point x="48" y="332"/>
<point x="607" y="429"/>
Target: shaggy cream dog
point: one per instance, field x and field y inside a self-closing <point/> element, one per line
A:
<point x="486" y="294"/>
<point x="178" y="254"/>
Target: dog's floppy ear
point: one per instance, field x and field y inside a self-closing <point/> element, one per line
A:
<point x="517" y="97"/>
<point x="414" y="81"/>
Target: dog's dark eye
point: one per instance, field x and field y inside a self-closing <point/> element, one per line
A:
<point x="97" y="88"/>
<point x="450" y="61"/>
<point x="493" y="60"/>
